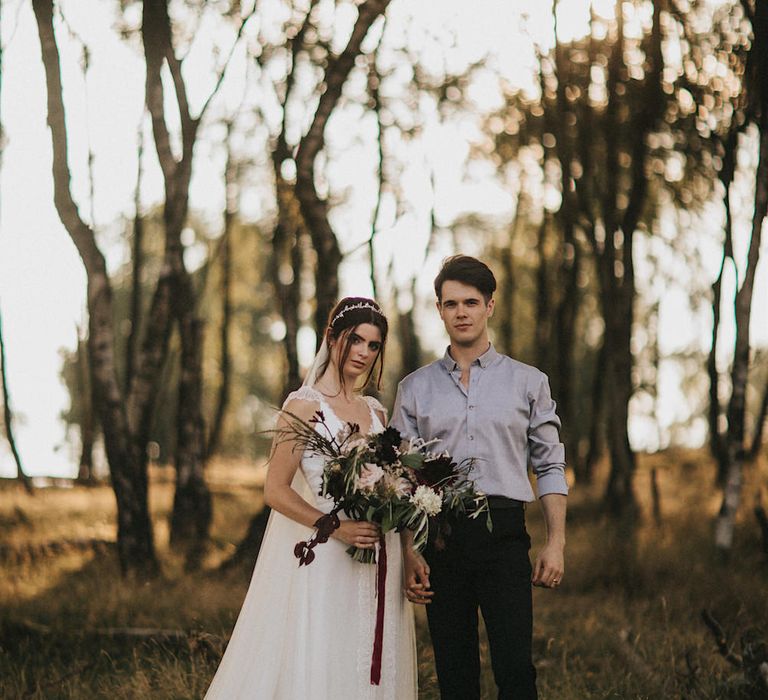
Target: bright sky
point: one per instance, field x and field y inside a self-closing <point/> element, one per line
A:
<point x="42" y="283"/>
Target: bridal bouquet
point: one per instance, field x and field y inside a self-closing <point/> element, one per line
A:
<point x="377" y="478"/>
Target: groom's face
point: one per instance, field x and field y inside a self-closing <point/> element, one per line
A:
<point x="464" y="311"/>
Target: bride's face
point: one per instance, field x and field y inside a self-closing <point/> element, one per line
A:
<point x="364" y="343"/>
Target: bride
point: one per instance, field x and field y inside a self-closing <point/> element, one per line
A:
<point x="307" y="633"/>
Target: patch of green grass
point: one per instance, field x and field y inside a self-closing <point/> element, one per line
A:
<point x="625" y="624"/>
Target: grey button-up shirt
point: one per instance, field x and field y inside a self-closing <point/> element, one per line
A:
<point x="505" y="419"/>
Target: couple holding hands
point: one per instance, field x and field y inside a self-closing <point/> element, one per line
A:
<point x="306" y="633"/>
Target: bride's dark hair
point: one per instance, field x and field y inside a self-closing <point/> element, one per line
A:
<point x="347" y="315"/>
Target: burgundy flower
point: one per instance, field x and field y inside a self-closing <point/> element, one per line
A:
<point x="317" y="417"/>
<point x="437" y="470"/>
<point x="386" y="445"/>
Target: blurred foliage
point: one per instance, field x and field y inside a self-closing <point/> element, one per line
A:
<point x="256" y="356"/>
<point x="524" y="136"/>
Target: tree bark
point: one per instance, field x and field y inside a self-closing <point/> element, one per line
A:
<point x="191" y="515"/>
<point x="740" y="370"/>
<point x="616" y="260"/>
<point x="314" y="208"/>
<point x="566" y="308"/>
<point x="8" y="417"/>
<point x="287" y="259"/>
<point x="374" y="83"/>
<point x="410" y="347"/>
<point x="230" y="212"/>
<point x="88" y="416"/>
<point x="128" y="467"/>
<point x="756" y="87"/>
<point x="594" y="441"/>
<point x="136" y="273"/>
<point x="619" y="496"/>
<point x="543" y="326"/>
<point x="507" y="298"/>
<point x="192" y="504"/>
<point x="757" y="433"/>
<point x="7" y="412"/>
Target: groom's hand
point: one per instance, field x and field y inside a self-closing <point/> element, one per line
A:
<point x="416" y="574"/>
<point x="549" y="567"/>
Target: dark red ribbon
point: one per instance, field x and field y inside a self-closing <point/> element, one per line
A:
<point x="378" y="636"/>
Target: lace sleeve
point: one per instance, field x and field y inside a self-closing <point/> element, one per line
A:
<point x="375" y="405"/>
<point x="305" y="393"/>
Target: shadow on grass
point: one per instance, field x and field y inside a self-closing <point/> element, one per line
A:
<point x="95" y="635"/>
<point x="626" y="623"/>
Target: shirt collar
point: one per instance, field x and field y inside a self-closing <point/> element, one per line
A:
<point x="486" y="359"/>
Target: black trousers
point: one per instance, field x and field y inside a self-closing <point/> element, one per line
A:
<point x="490" y="571"/>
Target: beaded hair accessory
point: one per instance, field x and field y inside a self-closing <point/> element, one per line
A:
<point x="359" y="305"/>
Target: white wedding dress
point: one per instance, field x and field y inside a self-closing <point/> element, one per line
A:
<point x="307" y="633"/>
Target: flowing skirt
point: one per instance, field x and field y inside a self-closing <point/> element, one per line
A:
<point x="307" y="633"/>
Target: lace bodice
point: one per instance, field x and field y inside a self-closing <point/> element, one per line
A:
<point x="308" y="393"/>
<point x="311" y="463"/>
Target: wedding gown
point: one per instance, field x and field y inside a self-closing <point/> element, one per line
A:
<point x="307" y="633"/>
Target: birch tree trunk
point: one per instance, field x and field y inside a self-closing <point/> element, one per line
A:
<point x="735" y="452"/>
<point x="125" y="455"/>
<point x="616" y="260"/>
<point x="7" y="413"/>
<point x="192" y="504"/>
<point x="231" y="187"/>
<point x="716" y="438"/>
<point x="756" y="88"/>
<point x="88" y="417"/>
<point x="8" y="417"/>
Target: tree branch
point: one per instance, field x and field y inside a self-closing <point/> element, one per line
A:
<point x="223" y="70"/>
<point x="155" y="31"/>
<point x="313" y="208"/>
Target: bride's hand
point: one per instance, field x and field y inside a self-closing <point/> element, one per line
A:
<point x="358" y="533"/>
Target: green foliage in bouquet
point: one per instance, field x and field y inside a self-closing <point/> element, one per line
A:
<point x="383" y="479"/>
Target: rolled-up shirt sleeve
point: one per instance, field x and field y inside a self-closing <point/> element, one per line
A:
<point x="404" y="413"/>
<point x="546" y="452"/>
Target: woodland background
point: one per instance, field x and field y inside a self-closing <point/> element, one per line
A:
<point x="628" y="145"/>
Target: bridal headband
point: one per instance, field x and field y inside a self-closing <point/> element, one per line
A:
<point x="359" y="305"/>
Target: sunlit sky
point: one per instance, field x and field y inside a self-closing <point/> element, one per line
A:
<point x="42" y="282"/>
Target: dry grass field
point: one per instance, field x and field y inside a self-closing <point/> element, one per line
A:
<point x="625" y="624"/>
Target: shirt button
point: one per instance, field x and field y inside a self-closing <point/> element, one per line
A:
<point x="471" y="406"/>
<point x="471" y="437"/>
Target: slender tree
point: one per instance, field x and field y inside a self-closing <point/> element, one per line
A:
<point x="756" y="87"/>
<point x="287" y="259"/>
<point x="314" y="208"/>
<point x="7" y="413"/>
<point x="137" y="269"/>
<point x="716" y="440"/>
<point x="124" y="452"/>
<point x="231" y="186"/>
<point x="125" y="415"/>
<point x="87" y="418"/>
<point x="8" y="417"/>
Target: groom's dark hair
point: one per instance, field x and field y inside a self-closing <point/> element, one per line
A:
<point x="467" y="270"/>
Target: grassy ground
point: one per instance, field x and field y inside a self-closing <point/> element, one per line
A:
<point x="625" y="624"/>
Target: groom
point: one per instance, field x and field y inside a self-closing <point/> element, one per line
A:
<point x="484" y="405"/>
